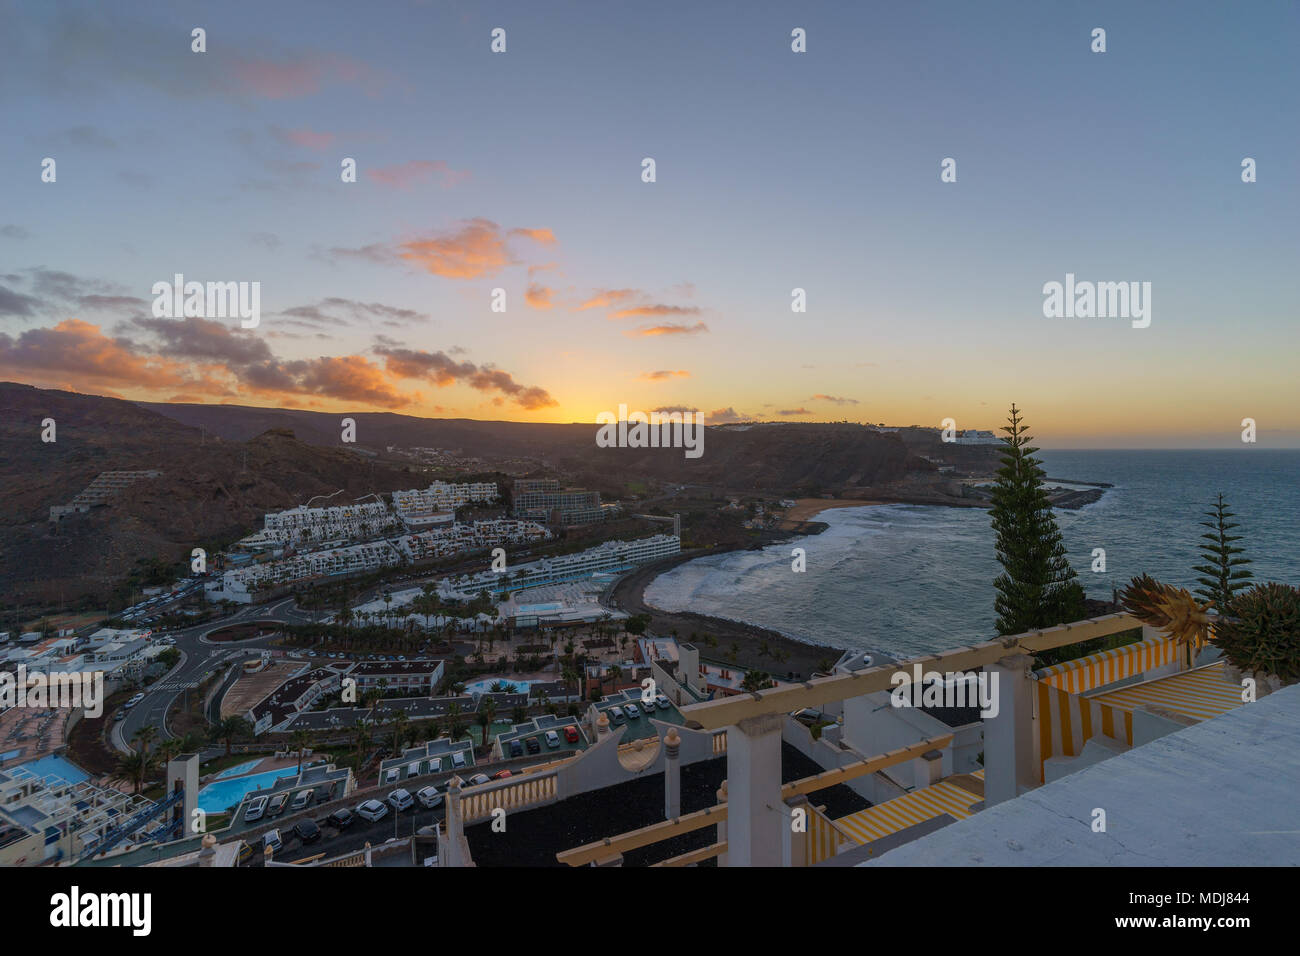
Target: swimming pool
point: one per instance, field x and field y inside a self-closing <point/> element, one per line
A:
<point x="236" y="771"/>
<point x="221" y="795"/>
<point x="515" y="686"/>
<point x="53" y="765"/>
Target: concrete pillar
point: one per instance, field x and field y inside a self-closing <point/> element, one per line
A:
<point x="455" y="826"/>
<point x="757" y="814"/>
<point x="929" y="768"/>
<point x="672" y="775"/>
<point x="183" y="771"/>
<point x="1009" y="763"/>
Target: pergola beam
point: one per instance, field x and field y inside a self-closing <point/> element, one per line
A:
<point x="728" y="711"/>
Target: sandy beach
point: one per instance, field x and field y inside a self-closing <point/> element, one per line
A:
<point x="806" y="509"/>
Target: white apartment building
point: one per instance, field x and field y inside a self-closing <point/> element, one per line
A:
<point x="239" y="584"/>
<point x="303" y="525"/>
<point x="607" y="556"/>
<point x="443" y="496"/>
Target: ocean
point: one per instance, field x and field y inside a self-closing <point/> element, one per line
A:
<point x="915" y="579"/>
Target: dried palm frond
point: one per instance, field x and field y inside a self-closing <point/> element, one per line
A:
<point x="1172" y="610"/>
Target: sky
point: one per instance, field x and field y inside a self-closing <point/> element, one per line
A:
<point x="774" y="170"/>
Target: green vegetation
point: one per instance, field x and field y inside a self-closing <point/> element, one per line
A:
<point x="1223" y="569"/>
<point x="1264" y="632"/>
<point x="1037" y="587"/>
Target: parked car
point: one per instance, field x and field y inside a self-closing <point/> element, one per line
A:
<point x="571" y="734"/>
<point x="503" y="775"/>
<point x="302" y="800"/>
<point x="534" y="747"/>
<point x="458" y="759"/>
<point x="133" y="701"/>
<point x="340" y="819"/>
<point x="306" y="831"/>
<point x="271" y="840"/>
<point x="616" y="716"/>
<point x="391" y="774"/>
<point x="662" y="702"/>
<point x="516" y="748"/>
<point x="429" y="797"/>
<point x="552" y="739"/>
<point x="277" y="804"/>
<point x="477" y="779"/>
<point x="372" y="810"/>
<point x="413" y="769"/>
<point x="633" y="712"/>
<point x="647" y="704"/>
<point x="435" y="765"/>
<point x="401" y="799"/>
<point x="245" y="853"/>
<point x="256" y="809"/>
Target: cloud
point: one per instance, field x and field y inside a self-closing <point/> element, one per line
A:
<point x="77" y="348"/>
<point x="664" y="375"/>
<point x="794" y="411"/>
<point x="307" y="74"/>
<point x="668" y="328"/>
<point x="723" y="416"/>
<point x="669" y="409"/>
<point x="544" y="236"/>
<point x="14" y="232"/>
<point x="408" y="174"/>
<point x="475" y="250"/>
<point x="834" y="400"/>
<point x="441" y="370"/>
<point x="306" y="137"/>
<point x="539" y="296"/>
<point x="16" y="304"/>
<point x="604" y="298"/>
<point x="268" y="239"/>
<point x="654" y="311"/>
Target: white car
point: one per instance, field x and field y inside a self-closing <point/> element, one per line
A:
<point x="458" y="759"/>
<point x="477" y="779"/>
<point x="256" y="808"/>
<point x="647" y="704"/>
<point x="662" y="702"/>
<point x="271" y="840"/>
<point x="391" y="775"/>
<point x="429" y="797"/>
<point x="633" y="712"/>
<point x="401" y="799"/>
<point x="552" y="739"/>
<point x="372" y="810"/>
<point x="435" y="765"/>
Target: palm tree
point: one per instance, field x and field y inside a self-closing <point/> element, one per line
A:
<point x="230" y="729"/>
<point x="486" y="711"/>
<point x="570" y="676"/>
<point x="300" y="739"/>
<point x="454" y="726"/>
<point x="399" y="725"/>
<point x="615" y="673"/>
<point x="133" y="767"/>
<point x="144" y="737"/>
<point x="361" y="737"/>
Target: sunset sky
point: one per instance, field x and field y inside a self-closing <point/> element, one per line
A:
<point x="775" y="170"/>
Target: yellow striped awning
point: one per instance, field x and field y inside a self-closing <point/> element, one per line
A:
<point x="1106" y="667"/>
<point x="909" y="810"/>
<point x="1200" y="694"/>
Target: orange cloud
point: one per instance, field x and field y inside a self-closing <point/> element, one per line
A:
<point x="544" y="236"/>
<point x="405" y="175"/>
<point x="668" y="328"/>
<point x="477" y="249"/>
<point x="603" y="298"/>
<point x="539" y="296"/>
<point x="664" y="375"/>
<point x="643" y="311"/>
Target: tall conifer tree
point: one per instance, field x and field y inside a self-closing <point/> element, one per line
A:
<point x="1037" y="588"/>
<point x="1222" y="568"/>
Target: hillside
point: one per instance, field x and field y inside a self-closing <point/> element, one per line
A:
<point x="211" y="491"/>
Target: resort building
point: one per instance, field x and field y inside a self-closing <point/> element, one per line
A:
<point x="421" y="508"/>
<point x="303" y="525"/>
<point x="609" y="556"/>
<point x="542" y="499"/>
